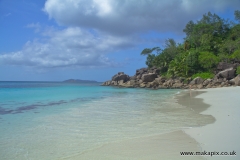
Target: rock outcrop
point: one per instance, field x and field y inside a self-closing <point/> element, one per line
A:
<point x="150" y="78"/>
<point x="223" y="65"/>
<point x="120" y="76"/>
<point x="237" y="80"/>
<point x="196" y="80"/>
<point x="227" y="73"/>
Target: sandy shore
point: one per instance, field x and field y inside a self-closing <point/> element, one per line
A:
<point x="221" y="108"/>
<point x="224" y="134"/>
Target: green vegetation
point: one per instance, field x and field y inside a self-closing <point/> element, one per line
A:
<point x="236" y="55"/>
<point x="208" y="41"/>
<point x="238" y="70"/>
<point x="208" y="60"/>
<point x="203" y="75"/>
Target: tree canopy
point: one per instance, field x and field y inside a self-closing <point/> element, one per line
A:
<point x="208" y="41"/>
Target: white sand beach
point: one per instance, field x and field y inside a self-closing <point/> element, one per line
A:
<point x="224" y="134"/>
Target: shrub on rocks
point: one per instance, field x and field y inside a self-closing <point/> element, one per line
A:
<point x="204" y="75"/>
<point x="238" y="70"/>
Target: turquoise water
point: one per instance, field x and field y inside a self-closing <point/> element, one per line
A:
<point x="52" y="120"/>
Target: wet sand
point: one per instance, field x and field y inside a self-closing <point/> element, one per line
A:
<point x="165" y="146"/>
<point x="224" y="134"/>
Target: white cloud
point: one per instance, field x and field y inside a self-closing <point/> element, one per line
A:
<point x="95" y="28"/>
<point x="103" y="7"/>
<point x="65" y="48"/>
<point x="131" y="16"/>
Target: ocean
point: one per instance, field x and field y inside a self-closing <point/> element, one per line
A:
<point x="55" y="120"/>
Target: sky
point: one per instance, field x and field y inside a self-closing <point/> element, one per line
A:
<point x="55" y="40"/>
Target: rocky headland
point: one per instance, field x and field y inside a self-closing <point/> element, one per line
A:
<point x="225" y="76"/>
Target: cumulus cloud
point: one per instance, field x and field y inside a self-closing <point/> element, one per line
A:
<point x="131" y="16"/>
<point x="94" y="28"/>
<point x="65" y="48"/>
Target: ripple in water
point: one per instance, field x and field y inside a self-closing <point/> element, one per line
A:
<point x="122" y="114"/>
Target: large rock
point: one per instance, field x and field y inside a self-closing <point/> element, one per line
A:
<point x="149" y="77"/>
<point x="237" y="80"/>
<point x="114" y="83"/>
<point x="120" y="82"/>
<point x="223" y="65"/>
<point x="217" y="82"/>
<point x="177" y="85"/>
<point x="154" y="84"/>
<point x="227" y="73"/>
<point x="154" y="70"/>
<point x="149" y="85"/>
<point x="160" y="80"/>
<point x="199" y="86"/>
<point x="141" y="71"/>
<point x="133" y="77"/>
<point x="139" y="76"/>
<point x="176" y="81"/>
<point x="207" y="81"/>
<point x="231" y="82"/>
<point x="168" y="83"/>
<point x="120" y="76"/>
<point x="196" y="80"/>
<point x="131" y="82"/>
<point x="209" y="86"/>
<point x="142" y="85"/>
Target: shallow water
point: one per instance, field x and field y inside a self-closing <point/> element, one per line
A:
<point x="43" y="120"/>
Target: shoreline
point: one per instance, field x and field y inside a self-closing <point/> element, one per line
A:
<point x="160" y="146"/>
<point x="223" y="134"/>
<point x="211" y="134"/>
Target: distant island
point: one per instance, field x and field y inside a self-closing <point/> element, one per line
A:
<point x="79" y="81"/>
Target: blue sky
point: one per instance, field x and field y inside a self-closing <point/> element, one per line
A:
<point x="54" y="40"/>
